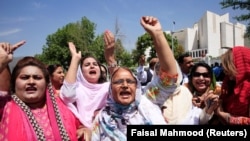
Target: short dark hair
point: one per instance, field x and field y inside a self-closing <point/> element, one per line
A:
<point x="182" y="56"/>
<point x="216" y="64"/>
<point x="102" y="78"/>
<point x="28" y="61"/>
<point x="52" y="67"/>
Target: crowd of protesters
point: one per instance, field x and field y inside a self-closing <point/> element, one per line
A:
<point x="97" y="102"/>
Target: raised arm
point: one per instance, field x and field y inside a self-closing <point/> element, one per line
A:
<point x="164" y="53"/>
<point x="68" y="89"/>
<point x="6" y="56"/>
<point x="109" y="50"/>
<point x="75" y="59"/>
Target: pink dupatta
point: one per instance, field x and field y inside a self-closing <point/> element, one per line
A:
<point x="15" y="124"/>
<point x="90" y="97"/>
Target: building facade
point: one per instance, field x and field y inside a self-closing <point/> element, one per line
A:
<point x="211" y="36"/>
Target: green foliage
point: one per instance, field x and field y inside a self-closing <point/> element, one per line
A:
<point x="97" y="48"/>
<point x="56" y="49"/>
<point x="145" y="41"/>
<point x="120" y="53"/>
<point x="242" y="5"/>
<point x="178" y="51"/>
<point x="82" y="34"/>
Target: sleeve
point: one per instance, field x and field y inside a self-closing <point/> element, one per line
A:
<point x="166" y="79"/>
<point x="239" y="120"/>
<point x="161" y="87"/>
<point x="205" y="117"/>
<point x="141" y="74"/>
<point x="68" y="92"/>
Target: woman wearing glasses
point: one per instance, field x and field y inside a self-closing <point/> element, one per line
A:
<point x="125" y="104"/>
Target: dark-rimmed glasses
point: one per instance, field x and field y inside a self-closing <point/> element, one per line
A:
<point x="121" y="81"/>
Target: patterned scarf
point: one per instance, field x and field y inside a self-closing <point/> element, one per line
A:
<point x="21" y="111"/>
<point x="111" y="123"/>
<point x="115" y="117"/>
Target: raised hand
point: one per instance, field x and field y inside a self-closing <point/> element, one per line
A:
<point x="142" y="60"/>
<point x="109" y="51"/>
<point x="150" y="24"/>
<point x="109" y="40"/>
<point x="73" y="51"/>
<point x="17" y="45"/>
<point x="6" y="52"/>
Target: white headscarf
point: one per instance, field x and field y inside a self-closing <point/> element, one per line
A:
<point x="112" y="121"/>
<point x="89" y="98"/>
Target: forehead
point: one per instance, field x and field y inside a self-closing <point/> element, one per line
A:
<point x="31" y="70"/>
<point x="201" y="69"/>
<point x="187" y="59"/>
<point x="122" y="73"/>
<point x="59" y="68"/>
<point x="89" y="59"/>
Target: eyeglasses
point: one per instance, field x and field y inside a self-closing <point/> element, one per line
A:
<point x="205" y="74"/>
<point x="121" y="81"/>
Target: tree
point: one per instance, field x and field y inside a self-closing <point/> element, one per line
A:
<point x="123" y="57"/>
<point x="178" y="51"/>
<point x="56" y="48"/>
<point x="145" y="41"/>
<point x="97" y="47"/>
<point x="239" y="4"/>
<point x="82" y="34"/>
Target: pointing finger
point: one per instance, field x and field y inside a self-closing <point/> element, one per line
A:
<point x="17" y="45"/>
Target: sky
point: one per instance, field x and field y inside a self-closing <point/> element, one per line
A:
<point x="34" y="20"/>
